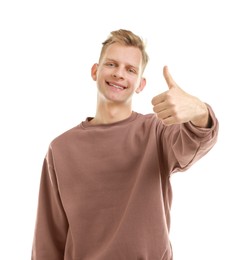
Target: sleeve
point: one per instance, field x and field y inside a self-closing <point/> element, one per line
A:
<point x="51" y="222"/>
<point x="180" y="146"/>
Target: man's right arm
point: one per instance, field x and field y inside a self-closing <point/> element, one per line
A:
<point x="51" y="223"/>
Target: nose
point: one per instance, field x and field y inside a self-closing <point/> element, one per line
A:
<point x="118" y="73"/>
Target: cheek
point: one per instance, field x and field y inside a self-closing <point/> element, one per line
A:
<point x="137" y="83"/>
<point x="101" y="74"/>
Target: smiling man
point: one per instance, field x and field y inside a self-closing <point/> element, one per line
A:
<point x="105" y="191"/>
<point x="118" y="76"/>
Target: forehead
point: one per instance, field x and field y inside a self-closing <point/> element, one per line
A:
<point x="123" y="54"/>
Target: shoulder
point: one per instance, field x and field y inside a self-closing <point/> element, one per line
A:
<point x="145" y="120"/>
<point x="66" y="136"/>
<point x="151" y="117"/>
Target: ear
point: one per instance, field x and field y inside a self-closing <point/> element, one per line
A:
<point x="141" y="85"/>
<point x="94" y="71"/>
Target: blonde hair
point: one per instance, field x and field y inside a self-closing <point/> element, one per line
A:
<point x="126" y="38"/>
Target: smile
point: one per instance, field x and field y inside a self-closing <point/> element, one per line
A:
<point x="116" y="86"/>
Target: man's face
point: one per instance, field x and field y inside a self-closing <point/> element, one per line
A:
<point x="119" y="73"/>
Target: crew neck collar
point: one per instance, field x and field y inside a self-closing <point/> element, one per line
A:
<point x="87" y="124"/>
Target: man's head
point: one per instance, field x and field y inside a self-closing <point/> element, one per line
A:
<point x="126" y="38"/>
<point x="119" y="71"/>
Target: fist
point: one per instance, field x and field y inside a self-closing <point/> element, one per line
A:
<point x="175" y="106"/>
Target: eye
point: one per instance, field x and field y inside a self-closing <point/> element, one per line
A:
<point x="131" y="70"/>
<point x="110" y="64"/>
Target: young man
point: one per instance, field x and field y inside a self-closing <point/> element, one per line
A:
<point x="105" y="190"/>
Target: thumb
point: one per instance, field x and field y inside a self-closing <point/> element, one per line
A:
<point x="170" y="82"/>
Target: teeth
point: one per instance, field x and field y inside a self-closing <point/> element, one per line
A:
<point x="115" y="86"/>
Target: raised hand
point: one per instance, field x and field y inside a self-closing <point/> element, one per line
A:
<point x="175" y="106"/>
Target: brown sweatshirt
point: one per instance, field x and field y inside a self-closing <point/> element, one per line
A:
<point x="105" y="190"/>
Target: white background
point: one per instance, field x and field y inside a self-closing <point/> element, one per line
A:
<point x="46" y="51"/>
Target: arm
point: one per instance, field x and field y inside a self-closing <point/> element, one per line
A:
<point x="188" y="128"/>
<point x="51" y="223"/>
<point x="181" y="145"/>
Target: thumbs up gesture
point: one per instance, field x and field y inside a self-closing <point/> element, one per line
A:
<point x="175" y="106"/>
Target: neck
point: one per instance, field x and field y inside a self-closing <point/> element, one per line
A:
<point x="107" y="113"/>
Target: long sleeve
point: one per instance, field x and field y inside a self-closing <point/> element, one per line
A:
<point x="182" y="145"/>
<point x="51" y="223"/>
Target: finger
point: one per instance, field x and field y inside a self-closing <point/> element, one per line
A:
<point x="158" y="99"/>
<point x="165" y="114"/>
<point x="160" y="107"/>
<point x="170" y="81"/>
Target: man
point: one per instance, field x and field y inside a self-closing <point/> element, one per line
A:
<point x="105" y="188"/>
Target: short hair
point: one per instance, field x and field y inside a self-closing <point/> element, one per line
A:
<point x="126" y="38"/>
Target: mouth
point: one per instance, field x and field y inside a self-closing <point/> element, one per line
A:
<point x="115" y="85"/>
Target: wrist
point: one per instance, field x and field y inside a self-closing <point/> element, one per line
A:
<point x="203" y="119"/>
